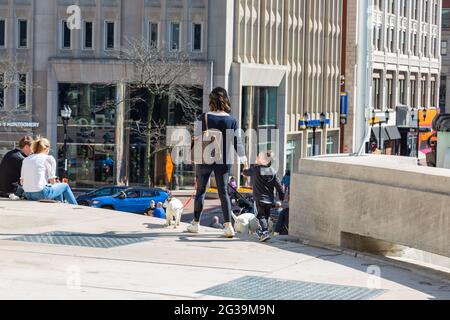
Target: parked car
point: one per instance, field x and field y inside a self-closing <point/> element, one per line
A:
<point x="133" y="200"/>
<point x="86" y="199"/>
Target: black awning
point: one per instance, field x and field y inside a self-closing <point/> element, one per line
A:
<point x="393" y="133"/>
<point x="376" y="133"/>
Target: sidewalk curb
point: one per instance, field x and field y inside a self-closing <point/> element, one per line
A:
<point x="414" y="268"/>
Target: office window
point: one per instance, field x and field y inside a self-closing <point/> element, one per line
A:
<point x="423" y="89"/>
<point x="390" y="39"/>
<point x="153" y="34"/>
<point x="444" y="46"/>
<point x="414" y="47"/>
<point x="197" y="37"/>
<point x="433" y="102"/>
<point x="88" y="35"/>
<point x="415" y="9"/>
<point x="413" y="94"/>
<point x="22" y="91"/>
<point x="376" y="90"/>
<point x="175" y="36"/>
<point x="390" y="90"/>
<point x="403" y="8"/>
<point x="402" y="89"/>
<point x="403" y="42"/>
<point x="445" y="18"/>
<point x="425" y="11"/>
<point x="23" y="34"/>
<point x="435" y="13"/>
<point x="2" y="33"/>
<point x="109" y="35"/>
<point x="390" y="6"/>
<point x="425" y="46"/>
<point x="66" y="36"/>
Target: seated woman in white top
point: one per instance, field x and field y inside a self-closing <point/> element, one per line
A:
<point x="39" y="179"/>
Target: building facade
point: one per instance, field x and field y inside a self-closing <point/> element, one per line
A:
<point x="402" y="78"/>
<point x="444" y="95"/>
<point x="279" y="59"/>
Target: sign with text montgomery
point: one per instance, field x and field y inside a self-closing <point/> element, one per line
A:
<point x="19" y="124"/>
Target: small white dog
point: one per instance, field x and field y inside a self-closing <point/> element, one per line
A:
<point x="246" y="223"/>
<point x="174" y="210"/>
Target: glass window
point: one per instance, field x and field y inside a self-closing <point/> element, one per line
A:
<point x="22" y="91"/>
<point x="153" y="34"/>
<point x="23" y="34"/>
<point x="88" y="42"/>
<point x="109" y="35"/>
<point x="446" y="18"/>
<point x="197" y="37"/>
<point x="104" y="192"/>
<point x="174" y="36"/>
<point x="149" y="193"/>
<point x="91" y="133"/>
<point x="2" y="91"/>
<point x="66" y="36"/>
<point x="132" y="194"/>
<point x="2" y="33"/>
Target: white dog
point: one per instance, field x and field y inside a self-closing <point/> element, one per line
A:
<point x="246" y="223"/>
<point x="174" y="210"/>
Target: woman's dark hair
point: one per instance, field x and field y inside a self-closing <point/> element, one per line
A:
<point x="219" y="101"/>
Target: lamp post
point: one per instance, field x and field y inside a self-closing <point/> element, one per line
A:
<point x="308" y="125"/>
<point x="424" y="115"/>
<point x="66" y="114"/>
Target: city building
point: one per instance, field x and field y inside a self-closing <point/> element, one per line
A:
<point x="279" y="59"/>
<point x="444" y="95"/>
<point x="392" y="74"/>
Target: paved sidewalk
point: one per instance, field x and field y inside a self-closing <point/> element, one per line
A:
<point x="163" y="263"/>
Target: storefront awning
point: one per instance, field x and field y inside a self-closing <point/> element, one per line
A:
<point x="393" y="133"/>
<point x="376" y="133"/>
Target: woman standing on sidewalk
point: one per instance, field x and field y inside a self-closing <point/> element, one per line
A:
<point x="39" y="176"/>
<point x="218" y="120"/>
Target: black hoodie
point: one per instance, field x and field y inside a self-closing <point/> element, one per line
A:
<point x="265" y="182"/>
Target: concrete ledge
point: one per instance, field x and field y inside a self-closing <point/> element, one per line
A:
<point x="379" y="197"/>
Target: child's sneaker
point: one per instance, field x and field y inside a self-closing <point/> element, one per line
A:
<point x="265" y="236"/>
<point x="194" y="227"/>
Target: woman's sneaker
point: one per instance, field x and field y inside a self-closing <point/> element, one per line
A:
<point x="194" y="227"/>
<point x="229" y="232"/>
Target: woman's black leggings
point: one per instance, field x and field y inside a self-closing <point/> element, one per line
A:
<point x="222" y="175"/>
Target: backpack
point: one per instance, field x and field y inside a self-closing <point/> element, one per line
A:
<point x="207" y="148"/>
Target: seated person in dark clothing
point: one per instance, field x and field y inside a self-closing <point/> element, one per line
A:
<point x="216" y="223"/>
<point x="11" y="166"/>
<point x="282" y="225"/>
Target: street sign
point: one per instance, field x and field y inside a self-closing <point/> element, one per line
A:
<point x="169" y="167"/>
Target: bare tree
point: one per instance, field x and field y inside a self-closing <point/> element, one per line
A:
<point x="10" y="71"/>
<point x="163" y="75"/>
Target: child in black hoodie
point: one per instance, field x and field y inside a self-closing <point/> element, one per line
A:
<point x="265" y="182"/>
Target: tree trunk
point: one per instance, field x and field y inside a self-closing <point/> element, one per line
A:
<point x="148" y="154"/>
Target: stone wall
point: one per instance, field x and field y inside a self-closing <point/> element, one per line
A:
<point x="378" y="197"/>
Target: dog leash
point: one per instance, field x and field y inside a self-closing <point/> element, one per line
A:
<point x="192" y="196"/>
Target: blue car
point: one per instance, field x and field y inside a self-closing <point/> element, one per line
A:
<point x="132" y="200"/>
<point x="86" y="199"/>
